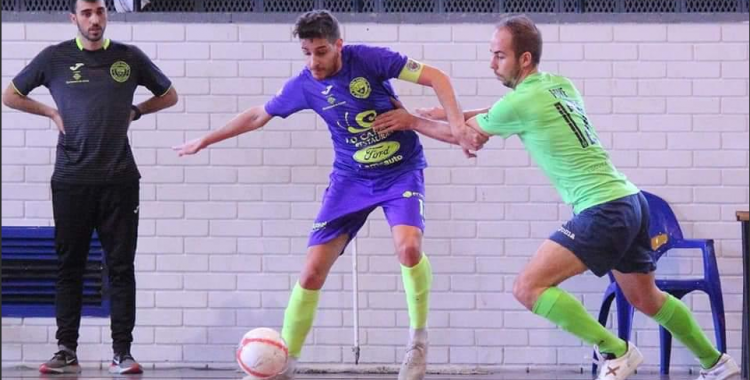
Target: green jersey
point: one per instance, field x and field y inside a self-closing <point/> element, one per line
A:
<point x="546" y="112"/>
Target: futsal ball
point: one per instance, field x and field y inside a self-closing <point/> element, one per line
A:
<point x="262" y="353"/>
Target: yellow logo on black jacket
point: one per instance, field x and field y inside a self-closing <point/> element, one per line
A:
<point x="120" y="71"/>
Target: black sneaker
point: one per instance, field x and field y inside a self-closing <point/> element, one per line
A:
<point x="64" y="361"/>
<point x="124" y="364"/>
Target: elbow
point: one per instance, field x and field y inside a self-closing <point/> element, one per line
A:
<point x="441" y="79"/>
<point x="173" y="97"/>
<point x="8" y="98"/>
<point x="433" y="77"/>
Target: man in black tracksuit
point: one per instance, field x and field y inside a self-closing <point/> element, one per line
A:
<point x="95" y="184"/>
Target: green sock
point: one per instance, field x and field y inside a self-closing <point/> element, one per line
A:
<point x="676" y="318"/>
<point x="298" y="318"/>
<point x="568" y="313"/>
<point x="417" y="283"/>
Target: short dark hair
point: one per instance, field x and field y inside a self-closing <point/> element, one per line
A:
<point x="317" y="24"/>
<point x="526" y="36"/>
<point x="73" y="4"/>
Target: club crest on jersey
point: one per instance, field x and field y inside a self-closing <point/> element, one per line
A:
<point x="359" y="88"/>
<point x="120" y="71"/>
<point x="413" y="65"/>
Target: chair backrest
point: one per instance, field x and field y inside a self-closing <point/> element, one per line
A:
<point x="663" y="226"/>
<point x="30" y="271"/>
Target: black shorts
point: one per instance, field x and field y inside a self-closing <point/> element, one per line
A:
<point x="612" y="235"/>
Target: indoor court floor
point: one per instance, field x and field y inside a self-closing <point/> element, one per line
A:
<point x="193" y="374"/>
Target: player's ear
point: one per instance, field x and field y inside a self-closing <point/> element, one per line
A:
<point x="339" y="44"/>
<point x="526" y="60"/>
<point x="72" y="17"/>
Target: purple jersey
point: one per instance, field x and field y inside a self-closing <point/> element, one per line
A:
<point x="349" y="101"/>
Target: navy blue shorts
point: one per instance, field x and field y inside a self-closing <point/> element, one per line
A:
<point x="612" y="235"/>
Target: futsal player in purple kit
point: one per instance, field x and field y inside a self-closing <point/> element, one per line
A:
<point x="348" y="87"/>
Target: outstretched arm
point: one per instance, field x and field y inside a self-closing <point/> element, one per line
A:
<point x="438" y="113"/>
<point x="250" y="120"/>
<point x="441" y="84"/>
<point x="401" y="119"/>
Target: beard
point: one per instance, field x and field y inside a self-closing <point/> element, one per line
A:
<point x="511" y="80"/>
<point x="331" y="70"/>
<point x="93" y="33"/>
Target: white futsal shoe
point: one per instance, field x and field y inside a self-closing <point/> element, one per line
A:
<point x="619" y="368"/>
<point x="726" y="368"/>
<point x="414" y="365"/>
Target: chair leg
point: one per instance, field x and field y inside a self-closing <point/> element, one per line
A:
<point x="713" y="282"/>
<point x="609" y="296"/>
<point x="717" y="311"/>
<point x="665" y="337"/>
<point x="625" y="313"/>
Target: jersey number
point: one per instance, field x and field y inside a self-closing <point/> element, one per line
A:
<point x="586" y="137"/>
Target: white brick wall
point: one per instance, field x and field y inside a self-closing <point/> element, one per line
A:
<point x="223" y="233"/>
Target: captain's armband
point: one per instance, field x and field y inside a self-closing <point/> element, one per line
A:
<point x="411" y="71"/>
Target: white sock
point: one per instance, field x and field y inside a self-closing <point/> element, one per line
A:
<point x="418" y="335"/>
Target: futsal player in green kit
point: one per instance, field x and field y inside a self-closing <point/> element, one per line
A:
<point x="609" y="229"/>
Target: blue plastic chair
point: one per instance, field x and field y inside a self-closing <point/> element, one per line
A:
<point x="666" y="234"/>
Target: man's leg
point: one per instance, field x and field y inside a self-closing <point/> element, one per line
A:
<point x="118" y="216"/>
<point x="405" y="214"/>
<point x="303" y="302"/>
<point x="635" y="276"/>
<point x="641" y="292"/>
<point x="73" y="207"/>
<point x="536" y="288"/>
<point x="343" y="212"/>
<point x="416" y="273"/>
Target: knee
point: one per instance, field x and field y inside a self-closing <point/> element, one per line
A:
<point x="523" y="291"/>
<point x="312" y="279"/>
<point x="647" y="303"/>
<point x="409" y="253"/>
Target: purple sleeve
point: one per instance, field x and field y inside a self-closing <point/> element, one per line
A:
<point x="289" y="99"/>
<point x="382" y="62"/>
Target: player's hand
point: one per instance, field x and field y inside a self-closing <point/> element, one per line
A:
<point x="476" y="139"/>
<point x="398" y="119"/>
<point x="471" y="141"/>
<point x="433" y="113"/>
<point x="468" y="153"/>
<point x="190" y="147"/>
<point x="58" y="121"/>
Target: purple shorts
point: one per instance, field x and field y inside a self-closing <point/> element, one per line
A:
<point x="349" y="200"/>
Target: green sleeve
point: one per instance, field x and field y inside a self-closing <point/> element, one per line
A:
<point x="501" y="120"/>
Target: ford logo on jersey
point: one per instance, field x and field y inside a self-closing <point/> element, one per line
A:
<point x="377" y="152"/>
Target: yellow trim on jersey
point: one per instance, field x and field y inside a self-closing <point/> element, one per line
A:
<point x="105" y="45"/>
<point x="166" y="92"/>
<point x="16" y="89"/>
<point x="411" y="71"/>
